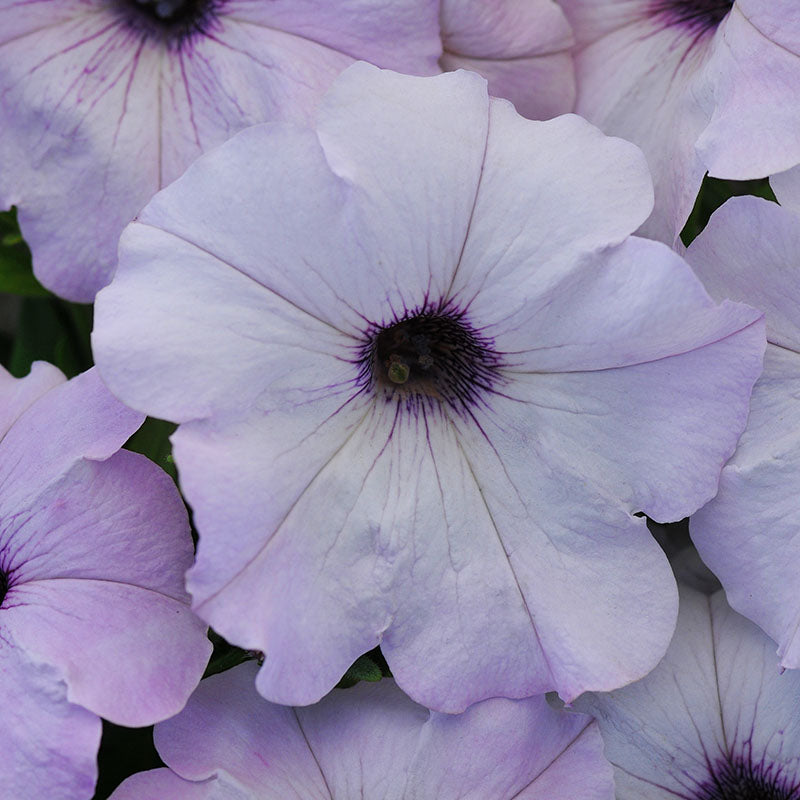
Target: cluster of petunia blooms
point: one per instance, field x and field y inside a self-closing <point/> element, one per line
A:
<point x="428" y="386"/>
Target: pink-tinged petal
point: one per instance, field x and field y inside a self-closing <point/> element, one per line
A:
<point x="520" y="47"/>
<point x="505" y="29"/>
<point x="568" y="777"/>
<point x="754" y="129"/>
<point x="48" y="746"/>
<point x="540" y="87"/>
<point x="373" y="742"/>
<point x="748" y="533"/>
<point x="16" y="394"/>
<point x="531" y="214"/>
<point x="395" y="34"/>
<point x="786" y="186"/>
<point x="716" y="698"/>
<point x="541" y="754"/>
<point x="164" y="784"/>
<point x="748" y="252"/>
<point x="141" y="653"/>
<point x="74" y="103"/>
<point x="207" y="739"/>
<point x="139" y="528"/>
<point x="638" y="80"/>
<point x="78" y="419"/>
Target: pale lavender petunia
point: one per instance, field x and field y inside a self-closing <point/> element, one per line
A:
<point x="521" y="46"/>
<point x="102" y="102"/>
<point x="94" y="619"/>
<point x="750" y="533"/>
<point x="424" y="381"/>
<point x="699" y="85"/>
<point x="370" y="742"/>
<point x="715" y="720"/>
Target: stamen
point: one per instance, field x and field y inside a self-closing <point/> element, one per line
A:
<point x="431" y="353"/>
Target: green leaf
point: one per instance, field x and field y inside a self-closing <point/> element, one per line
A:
<point x="713" y="193"/>
<point x="152" y="440"/>
<point x="16" y="267"/>
<point x="364" y="668"/>
<point x="226" y="656"/>
<point x="52" y="330"/>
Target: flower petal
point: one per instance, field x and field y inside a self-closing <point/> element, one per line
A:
<point x="786" y="186"/>
<point x="17" y="394"/>
<point x="225" y="343"/>
<point x="521" y="48"/>
<point x="532" y="216"/>
<point x="638" y="78"/>
<point x="117" y="520"/>
<point x="204" y="741"/>
<point x="141" y="653"/>
<point x="48" y="746"/>
<point x="754" y="129"/>
<point x="70" y="105"/>
<point x="396" y="34"/>
<point x="372" y="741"/>
<point x="75" y="420"/>
<point x="164" y="784"/>
<point x="599" y="593"/>
<point x="716" y="695"/>
<point x="622" y="306"/>
<point x="748" y="533"/>
<point x="748" y="252"/>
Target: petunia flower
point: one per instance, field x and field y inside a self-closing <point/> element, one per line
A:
<point x="522" y="48"/>
<point x="370" y="742"/>
<point x="424" y="381"/>
<point x="699" y="85"/>
<point x="748" y="534"/>
<point x="102" y="102"/>
<point x="715" y="720"/>
<point x="94" y="619"/>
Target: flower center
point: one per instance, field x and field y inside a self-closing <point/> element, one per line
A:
<point x="171" y="21"/>
<point x="3" y="586"/>
<point x="739" y="778"/>
<point x="431" y="353"/>
<point x="698" y="16"/>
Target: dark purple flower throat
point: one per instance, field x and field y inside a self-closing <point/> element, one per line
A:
<point x="698" y="16"/>
<point x="431" y="353"/>
<point x="742" y="778"/>
<point x="3" y="585"/>
<point x="171" y="21"/>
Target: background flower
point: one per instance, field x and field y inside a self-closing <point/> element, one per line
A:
<point x="371" y="742"/>
<point x="748" y="533"/>
<point x="93" y="618"/>
<point x="715" y="719"/>
<point x="699" y="85"/>
<point x="283" y="301"/>
<point x="105" y="101"/>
